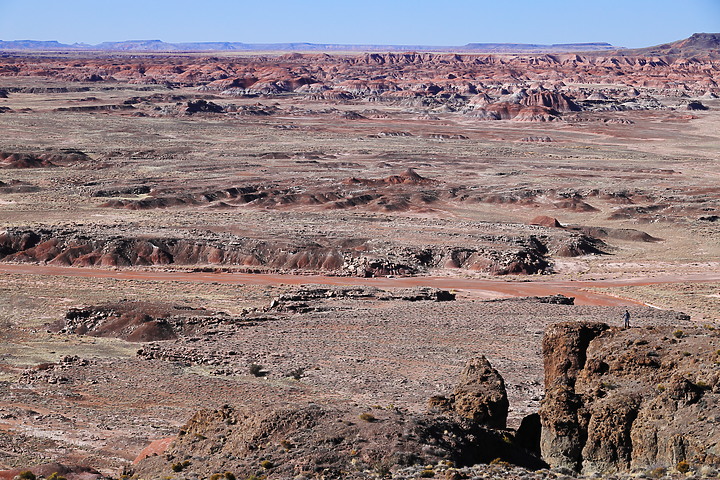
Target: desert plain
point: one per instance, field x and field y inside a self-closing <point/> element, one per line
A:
<point x="184" y="231"/>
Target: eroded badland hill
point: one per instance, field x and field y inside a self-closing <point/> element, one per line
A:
<point x="381" y="265"/>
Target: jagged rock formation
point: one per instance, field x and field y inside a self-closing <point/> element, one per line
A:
<point x="480" y="395"/>
<point x="620" y="399"/>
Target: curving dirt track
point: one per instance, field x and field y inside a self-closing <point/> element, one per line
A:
<point x="475" y="287"/>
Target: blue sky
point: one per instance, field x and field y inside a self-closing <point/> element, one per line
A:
<point x="628" y="23"/>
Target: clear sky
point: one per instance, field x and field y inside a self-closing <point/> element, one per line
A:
<point x="627" y="23"/>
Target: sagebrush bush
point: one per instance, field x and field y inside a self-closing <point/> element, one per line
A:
<point x="368" y="417"/>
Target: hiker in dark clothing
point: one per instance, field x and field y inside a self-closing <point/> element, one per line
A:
<point x="627" y="319"/>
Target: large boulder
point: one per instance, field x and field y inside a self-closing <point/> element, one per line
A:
<point x="480" y="395"/>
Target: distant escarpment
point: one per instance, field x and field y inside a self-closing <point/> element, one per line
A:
<point x="523" y="87"/>
<point x="640" y="398"/>
<point x="117" y="247"/>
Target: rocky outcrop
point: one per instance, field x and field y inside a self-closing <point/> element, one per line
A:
<point x="498" y="254"/>
<point x="323" y="442"/>
<point x="202" y="106"/>
<point x="558" y="102"/>
<point x="142" y="321"/>
<point x="564" y="352"/>
<point x="621" y="399"/>
<point x="480" y="395"/>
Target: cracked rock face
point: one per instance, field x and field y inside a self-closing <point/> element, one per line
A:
<point x="623" y="399"/>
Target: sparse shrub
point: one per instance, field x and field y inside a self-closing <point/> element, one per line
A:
<point x="286" y="444"/>
<point x="256" y="477"/>
<point x="267" y="464"/>
<point x="221" y="476"/>
<point x="703" y="385"/>
<point x="180" y="466"/>
<point x="500" y="462"/>
<point x="56" y="476"/>
<point x="678" y="334"/>
<point x="296" y="373"/>
<point x="657" y="472"/>
<point x="26" y="475"/>
<point x="427" y="473"/>
<point x="382" y="469"/>
<point x="661" y="388"/>
<point x="256" y="370"/>
<point x="368" y="417"/>
<point x="683" y="466"/>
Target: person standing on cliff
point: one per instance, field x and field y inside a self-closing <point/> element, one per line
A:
<point x="626" y="318"/>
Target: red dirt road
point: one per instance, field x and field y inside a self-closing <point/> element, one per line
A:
<point x="482" y="288"/>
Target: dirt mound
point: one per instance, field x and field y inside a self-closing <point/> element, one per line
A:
<point x="135" y="321"/>
<point x="629" y="234"/>
<point x="41" y="160"/>
<point x="545" y="221"/>
<point x="536" y="114"/>
<point x="388" y="195"/>
<point x="409" y="177"/>
<point x="575" y="204"/>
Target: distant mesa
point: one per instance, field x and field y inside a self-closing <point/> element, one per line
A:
<point x="696" y="44"/>
<point x="160" y="46"/>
